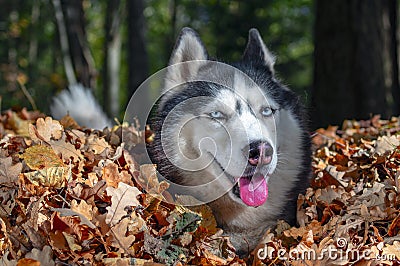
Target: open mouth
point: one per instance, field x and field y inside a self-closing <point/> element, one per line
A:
<point x="251" y="189"/>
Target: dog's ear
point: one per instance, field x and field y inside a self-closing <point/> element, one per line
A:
<point x="189" y="49"/>
<point x="257" y="51"/>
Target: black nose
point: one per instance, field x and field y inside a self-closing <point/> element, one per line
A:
<point x="260" y="153"/>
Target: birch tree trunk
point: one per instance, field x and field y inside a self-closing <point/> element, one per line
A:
<point x="62" y="33"/>
<point x="112" y="59"/>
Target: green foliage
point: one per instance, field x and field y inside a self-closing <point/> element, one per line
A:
<point x="286" y="27"/>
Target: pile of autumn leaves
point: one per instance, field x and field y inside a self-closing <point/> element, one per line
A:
<point x="79" y="196"/>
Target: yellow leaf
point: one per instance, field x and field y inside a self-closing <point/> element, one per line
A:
<point x="40" y="157"/>
<point x="49" y="177"/>
<point x="20" y="126"/>
<point x="207" y="218"/>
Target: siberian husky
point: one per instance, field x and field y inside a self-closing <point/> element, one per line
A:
<point x="232" y="136"/>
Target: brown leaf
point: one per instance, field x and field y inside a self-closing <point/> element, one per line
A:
<point x="386" y="144"/>
<point x="83" y="208"/>
<point x="68" y="212"/>
<point x="69" y="123"/>
<point x="392" y="250"/>
<point x="46" y="129"/>
<point x="20" y="126"/>
<point x="303" y="232"/>
<point x="44" y="256"/>
<point x="97" y="145"/>
<point x="28" y="262"/>
<point x="67" y="150"/>
<point x="394" y="227"/>
<point x="113" y="177"/>
<point x="121" y="239"/>
<point x="8" y="172"/>
<point x="73" y="246"/>
<point x="207" y="218"/>
<point x="121" y="197"/>
<point x="149" y="181"/>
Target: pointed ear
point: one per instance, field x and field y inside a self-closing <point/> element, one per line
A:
<point x="257" y="51"/>
<point x="188" y="47"/>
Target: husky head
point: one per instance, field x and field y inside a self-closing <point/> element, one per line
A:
<point x="226" y="129"/>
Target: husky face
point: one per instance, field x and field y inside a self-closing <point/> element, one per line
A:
<point x="233" y="136"/>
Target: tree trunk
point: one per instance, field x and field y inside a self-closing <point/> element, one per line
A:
<point x="354" y="72"/>
<point x="79" y="48"/>
<point x="137" y="54"/>
<point x="63" y="36"/>
<point x="112" y="59"/>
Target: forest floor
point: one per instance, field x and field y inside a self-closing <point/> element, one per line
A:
<point x="73" y="196"/>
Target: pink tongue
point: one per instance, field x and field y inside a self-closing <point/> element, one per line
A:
<point x="253" y="192"/>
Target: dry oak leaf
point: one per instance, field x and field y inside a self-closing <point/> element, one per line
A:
<point x="68" y="212"/>
<point x="121" y="197"/>
<point x="68" y="122"/>
<point x="41" y="156"/>
<point x="113" y="177"/>
<point x="96" y="144"/>
<point x="46" y="129"/>
<point x="44" y="256"/>
<point x="5" y="262"/>
<point x="314" y="226"/>
<point x="83" y="208"/>
<point x="149" y="181"/>
<point x="49" y="177"/>
<point x="120" y="239"/>
<point x="392" y="250"/>
<point x="66" y="149"/>
<point x="20" y="126"/>
<point x="129" y="261"/>
<point x="394" y="226"/>
<point x="386" y="144"/>
<point x="73" y="246"/>
<point x="8" y="172"/>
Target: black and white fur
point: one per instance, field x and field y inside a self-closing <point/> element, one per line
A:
<point x="192" y="135"/>
<point x="206" y="122"/>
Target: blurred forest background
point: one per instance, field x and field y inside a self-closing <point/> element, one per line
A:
<point x="340" y="56"/>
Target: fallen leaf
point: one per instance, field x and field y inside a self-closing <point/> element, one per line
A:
<point x="44" y="256"/>
<point x="121" y="197"/>
<point x="68" y="212"/>
<point x="49" y="177"/>
<point x="41" y="156"/>
<point x="9" y="172"/>
<point x="121" y="239"/>
<point x="48" y="128"/>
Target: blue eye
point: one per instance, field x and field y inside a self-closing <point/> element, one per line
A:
<point x="216" y="115"/>
<point x="267" y="111"/>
